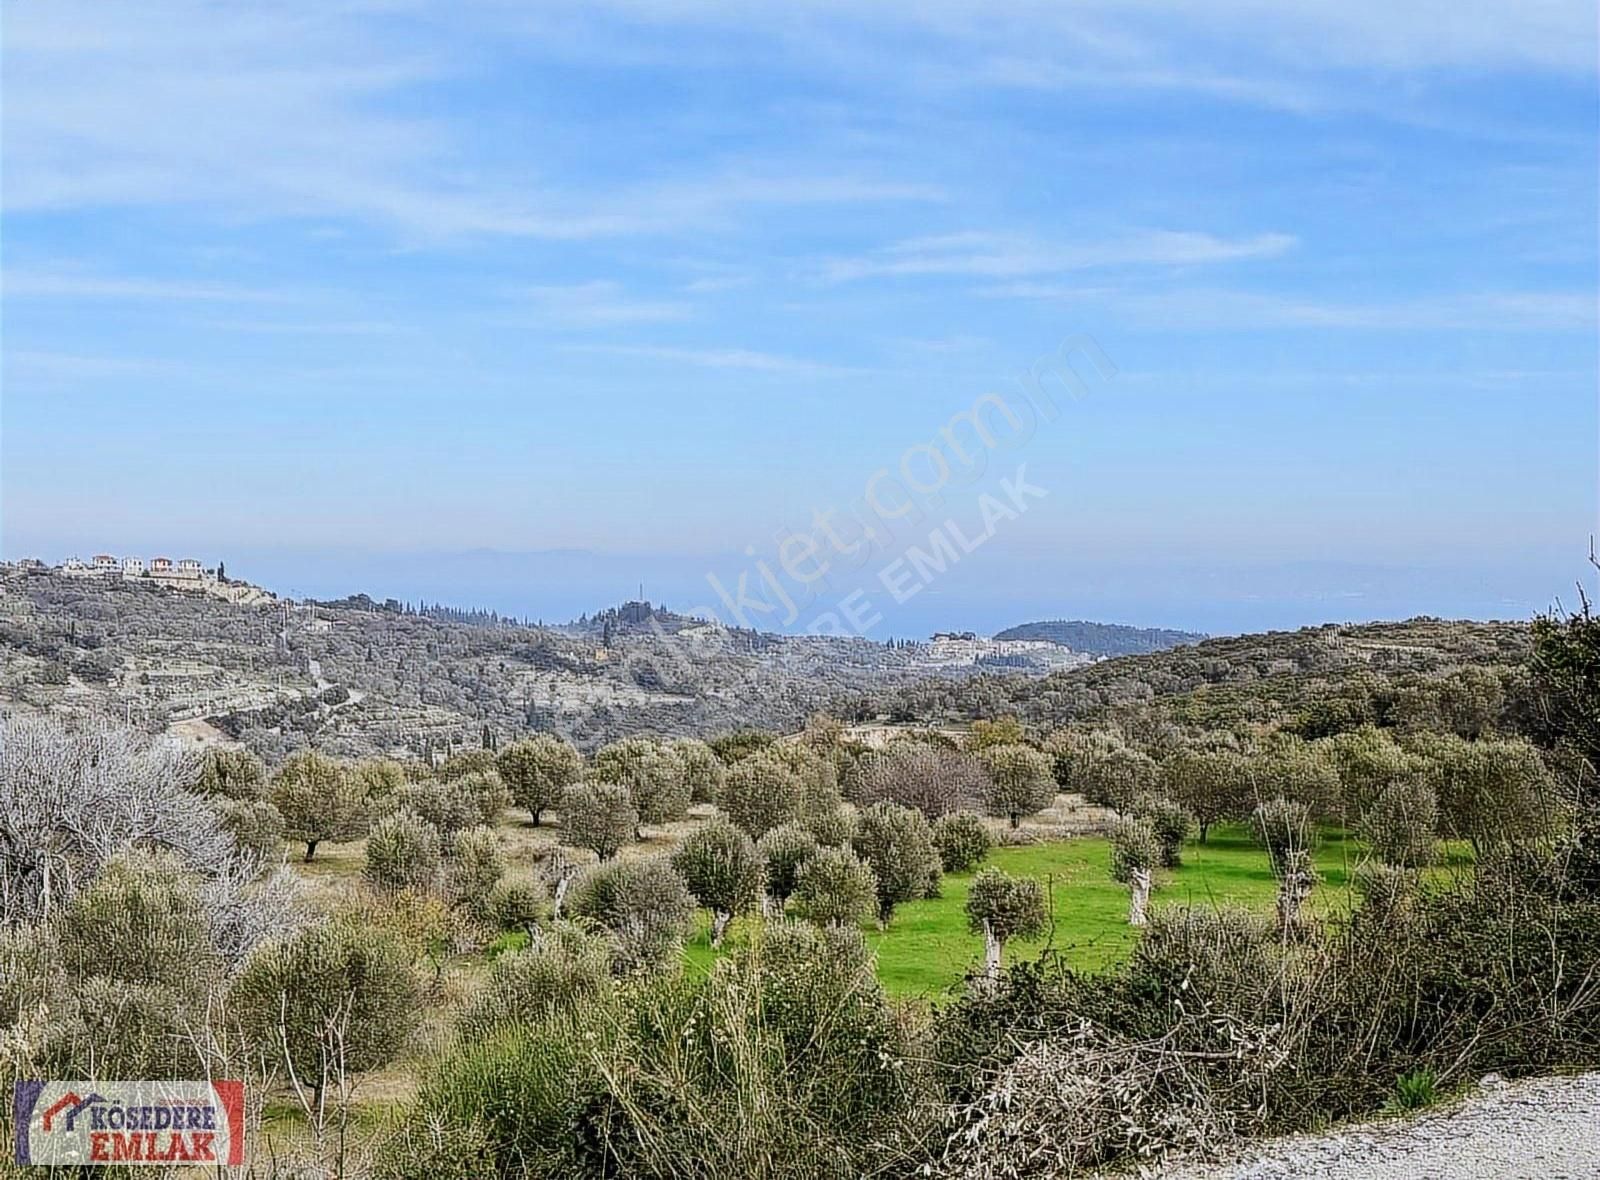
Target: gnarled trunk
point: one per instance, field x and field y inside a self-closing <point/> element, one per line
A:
<point x="1139" y="898"/>
<point x="992" y="946"/>
<point x="719" y="927"/>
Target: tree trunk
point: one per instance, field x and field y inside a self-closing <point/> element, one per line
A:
<point x="719" y="927"/>
<point x="1139" y="898"/>
<point x="1016" y="820"/>
<point x="561" y="896"/>
<point x="1205" y="830"/>
<point x="311" y="849"/>
<point x="992" y="947"/>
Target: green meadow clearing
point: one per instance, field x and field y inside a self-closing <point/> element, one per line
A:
<point x="927" y="948"/>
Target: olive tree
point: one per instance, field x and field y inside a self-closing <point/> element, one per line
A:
<point x="897" y="844"/>
<point x="1000" y="906"/>
<point x="724" y="871"/>
<point x="474" y="869"/>
<point x="1022" y="781"/>
<point x="256" y="827"/>
<point x="1171" y="823"/>
<point x="762" y="792"/>
<point x="402" y="852"/>
<point x="598" y="816"/>
<point x="652" y="772"/>
<point x="319" y="801"/>
<point x="1492" y="792"/>
<point x="784" y="849"/>
<point x="834" y="888"/>
<point x="335" y="999"/>
<point x="1402" y="825"/>
<point x="1283" y="827"/>
<point x="538" y="770"/>
<point x="702" y="769"/>
<point x="1116" y="777"/>
<point x="962" y="840"/>
<point x="645" y="906"/>
<point x="1135" y="855"/>
<point x="1212" y="785"/>
<point x="232" y="774"/>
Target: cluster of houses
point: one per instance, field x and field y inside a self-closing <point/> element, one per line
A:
<point x="184" y="574"/>
<point x="103" y="565"/>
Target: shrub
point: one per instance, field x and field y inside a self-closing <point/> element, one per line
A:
<point x="256" y="827"/>
<point x="518" y="905"/>
<point x="723" y="870"/>
<point x="1402" y="825"/>
<point x="1172" y="824"/>
<point x="538" y="770"/>
<point x="319" y="801"/>
<point x="333" y="996"/>
<point x="139" y="922"/>
<point x="562" y="968"/>
<point x="1022" y="780"/>
<point x="897" y="844"/>
<point x="1493" y="792"/>
<point x="598" y="816"/>
<point x="232" y="774"/>
<point x="402" y="853"/>
<point x="834" y="888"/>
<point x="962" y="840"/>
<point x="645" y="906"/>
<point x="784" y="849"/>
<point x="475" y="868"/>
<point x="784" y="1061"/>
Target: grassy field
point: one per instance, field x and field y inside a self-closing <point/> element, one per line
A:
<point x="928" y="948"/>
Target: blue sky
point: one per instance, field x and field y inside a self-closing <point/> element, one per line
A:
<point x="522" y="305"/>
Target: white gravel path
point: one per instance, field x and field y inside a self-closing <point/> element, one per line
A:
<point x="1544" y="1129"/>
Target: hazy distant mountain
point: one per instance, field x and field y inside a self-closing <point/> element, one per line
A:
<point x="1102" y="639"/>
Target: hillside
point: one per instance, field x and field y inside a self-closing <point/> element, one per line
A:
<point x="360" y="677"/>
<point x="1321" y="677"/>
<point x="1101" y="639"/>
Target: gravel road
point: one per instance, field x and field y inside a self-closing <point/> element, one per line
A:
<point x="1544" y="1129"/>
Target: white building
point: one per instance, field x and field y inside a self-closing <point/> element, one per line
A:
<point x="104" y="564"/>
<point x="190" y="568"/>
<point x="132" y="567"/>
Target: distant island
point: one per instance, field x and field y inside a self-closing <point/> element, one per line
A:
<point x="1102" y="639"/>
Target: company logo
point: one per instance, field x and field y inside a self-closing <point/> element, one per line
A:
<point x="164" y="1123"/>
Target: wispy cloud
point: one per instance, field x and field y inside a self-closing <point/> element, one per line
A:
<point x="1191" y="309"/>
<point x="998" y="256"/>
<point x="744" y="359"/>
<point x="27" y="284"/>
<point x="596" y="304"/>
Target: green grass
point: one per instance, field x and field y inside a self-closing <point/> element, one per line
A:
<point x="927" y="947"/>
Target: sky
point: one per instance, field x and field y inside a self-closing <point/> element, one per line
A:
<point x="868" y="319"/>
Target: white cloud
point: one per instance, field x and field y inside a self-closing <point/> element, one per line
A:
<point x="1002" y="256"/>
<point x="743" y="359"/>
<point x="1201" y="309"/>
<point x="66" y="284"/>
<point x="596" y="303"/>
